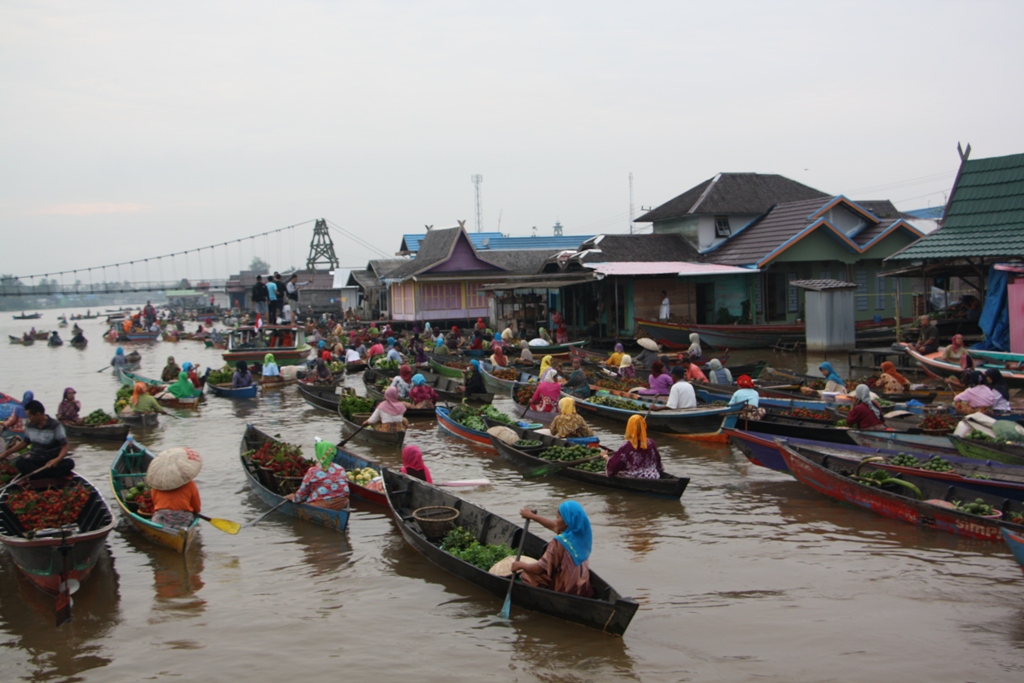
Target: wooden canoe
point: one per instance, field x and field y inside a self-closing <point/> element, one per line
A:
<point x="39" y="557"/>
<point x="79" y="345"/>
<point x="351" y="461"/>
<point x="668" y="486"/>
<point x="684" y="421"/>
<point x="114" y="432"/>
<point x="225" y="391"/>
<point x="934" y="509"/>
<point x="935" y="367"/>
<point x="324" y="398"/>
<point x="503" y="387"/>
<point x="129" y="379"/>
<point x="19" y="340"/>
<point x="128" y="470"/>
<point x="173" y="401"/>
<point x="607" y="611"/>
<point x="445" y="370"/>
<point x="1011" y="454"/>
<point x="332" y="519"/>
<point x="936" y="445"/>
<point x="447" y="389"/>
<point x="1016" y="543"/>
<point x="140" y="420"/>
<point x="447" y="424"/>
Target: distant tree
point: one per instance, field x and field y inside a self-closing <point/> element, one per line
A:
<point x="259" y="266"/>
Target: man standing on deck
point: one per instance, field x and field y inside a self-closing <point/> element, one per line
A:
<point x="292" y="290"/>
<point x="259" y="297"/>
<point x="273" y="303"/>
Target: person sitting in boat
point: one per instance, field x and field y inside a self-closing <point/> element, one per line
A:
<point x="413" y="465"/>
<point x="891" y="381"/>
<point x="49" y="444"/>
<point x="15" y="422"/>
<point x="616" y="357"/>
<point x="955" y="351"/>
<point x="127" y="325"/>
<point x="27" y="337"/>
<point x="474" y="379"/>
<point x="402" y="382"/>
<point x="748" y="397"/>
<point x="960" y="382"/>
<point x="395" y="351"/>
<point x="184" y="389"/>
<point x="142" y="401"/>
<point x="833" y="382"/>
<point x="718" y="374"/>
<point x="389" y="415"/>
<point x="79" y="337"/>
<point x="477" y="344"/>
<point x="352" y="355"/>
<point x="681" y="395"/>
<point x="638" y="457"/>
<point x="270" y="368"/>
<point x="376" y="349"/>
<point x="509" y="333"/>
<point x="525" y="354"/>
<point x="548" y="392"/>
<point x="995" y="380"/>
<point x="865" y="413"/>
<point x="694" y="352"/>
<point x="55" y="338"/>
<point x="626" y="369"/>
<point x="978" y="397"/>
<point x="420" y="356"/>
<point x="545" y="365"/>
<point x="76" y="329"/>
<point x="421" y="395"/>
<point x="325" y="484"/>
<point x="648" y="354"/>
<point x="322" y="374"/>
<point x="578" y="384"/>
<point x="692" y="370"/>
<point x="171" y="370"/>
<point x="175" y="495"/>
<point x="241" y="378"/>
<point x="193" y="374"/>
<point x="67" y="411"/>
<point x="543" y="334"/>
<point x="928" y="339"/>
<point x="659" y="382"/>
<point x="155" y="327"/>
<point x="564" y="566"/>
<point x="568" y="424"/>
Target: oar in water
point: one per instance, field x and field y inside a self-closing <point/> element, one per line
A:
<point x="349" y="437"/>
<point x="225" y="525"/>
<point x="264" y="515"/>
<point x="104" y="368"/>
<point x="506" y="609"/>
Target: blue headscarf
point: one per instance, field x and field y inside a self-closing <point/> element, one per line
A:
<point x="426" y="328"/>
<point x="321" y="345"/>
<point x="20" y="410"/>
<point x="391" y="341"/>
<point x="577" y="539"/>
<point x="475" y="364"/>
<point x="832" y="376"/>
<point x="418" y="380"/>
<point x="119" y="352"/>
<point x="186" y="366"/>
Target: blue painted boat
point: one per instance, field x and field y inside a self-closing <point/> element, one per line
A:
<point x="332" y="519"/>
<point x="1016" y="542"/>
<point x="925" y="443"/>
<point x="7" y="404"/>
<point x="447" y="424"/>
<point x="225" y="391"/>
<point x="698" y="420"/>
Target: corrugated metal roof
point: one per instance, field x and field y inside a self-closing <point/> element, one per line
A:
<point x="822" y="285"/>
<point x="679" y="268"/>
<point x="985" y="216"/>
<point x="495" y="241"/>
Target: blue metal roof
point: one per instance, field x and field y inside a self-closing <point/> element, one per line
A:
<point x="496" y="241"/>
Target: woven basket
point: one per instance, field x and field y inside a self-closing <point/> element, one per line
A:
<point x="435" y="520"/>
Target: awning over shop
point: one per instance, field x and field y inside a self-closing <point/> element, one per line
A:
<point x="538" y="284"/>
<point x="677" y="268"/>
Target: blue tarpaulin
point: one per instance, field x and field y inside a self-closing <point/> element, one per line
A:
<point x="995" y="316"/>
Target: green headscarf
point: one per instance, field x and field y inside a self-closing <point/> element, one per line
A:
<point x="268" y="359"/>
<point x="325" y="452"/>
<point x="183" y="387"/>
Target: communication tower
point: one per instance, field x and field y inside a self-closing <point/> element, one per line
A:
<point x="477" y="179"/>
<point x="321" y="249"/>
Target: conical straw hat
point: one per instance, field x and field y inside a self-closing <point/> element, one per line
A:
<point x="648" y="343"/>
<point x="504" y="567"/>
<point x="173" y="468"/>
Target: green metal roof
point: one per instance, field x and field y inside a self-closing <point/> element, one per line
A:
<point x="985" y="217"/>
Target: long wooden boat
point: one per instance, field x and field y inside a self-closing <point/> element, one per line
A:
<point x="919" y="443"/>
<point x="79" y="345"/>
<point x="934" y="510"/>
<point x="41" y="336"/>
<point x="669" y="486"/>
<point x="1016" y="543"/>
<point x="114" y="432"/>
<point x="138" y="336"/>
<point x="350" y="461"/>
<point x="994" y="478"/>
<point x="140" y="420"/>
<point x="527" y="431"/>
<point x="549" y="350"/>
<point x="525" y="413"/>
<point x="251" y="344"/>
<point x="444" y="370"/>
<point x="447" y="389"/>
<point x="28" y="316"/>
<point x="39" y="555"/>
<point x="760" y="336"/>
<point x="503" y="387"/>
<point x="128" y="470"/>
<point x="684" y="421"/>
<point x="607" y="611"/>
<point x="447" y="424"/>
<point x="989" y="450"/>
<point x="997" y="356"/>
<point x="20" y="340"/>
<point x="225" y="390"/>
<point x="324" y="398"/>
<point x="332" y="519"/>
<point x="355" y="366"/>
<point x="275" y="382"/>
<point x="129" y="378"/>
<point x="935" y="367"/>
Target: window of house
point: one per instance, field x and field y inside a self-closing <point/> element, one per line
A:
<point x="862" y="289"/>
<point x="722" y="228"/>
<point x="881" y="300"/>
<point x="476" y="297"/>
<point x="792" y="295"/>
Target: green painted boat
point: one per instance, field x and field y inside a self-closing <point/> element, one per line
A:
<point x="445" y="370"/>
<point x="989" y="450"/>
<point x="130" y="378"/>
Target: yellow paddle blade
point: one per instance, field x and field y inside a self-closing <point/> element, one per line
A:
<point x="225" y="525"/>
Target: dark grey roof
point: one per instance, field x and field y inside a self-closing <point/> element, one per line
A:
<point x="525" y="262"/>
<point x="823" y="285"/>
<point x="375" y="270"/>
<point x="660" y="247"/>
<point x="882" y="208"/>
<point x="733" y="193"/>
<point x="384" y="267"/>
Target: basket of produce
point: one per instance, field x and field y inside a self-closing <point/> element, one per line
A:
<point x="938" y="424"/>
<point x="529" y="445"/>
<point x="435" y="520"/>
<point x="461" y="543"/>
<point x="99" y="418"/>
<point x="507" y="374"/>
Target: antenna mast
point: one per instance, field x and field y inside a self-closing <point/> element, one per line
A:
<point x="630" y="202"/>
<point x="477" y="179"/>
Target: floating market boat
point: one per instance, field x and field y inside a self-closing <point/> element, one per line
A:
<point x="129" y="378"/>
<point x="225" y="390"/>
<point x="761" y="336"/>
<point x="40" y="555"/>
<point x="683" y="421"/>
<point x="287" y="343"/>
<point x="908" y="498"/>
<point x="455" y="428"/>
<point x="549" y="350"/>
<point x="447" y="389"/>
<point x="997" y="356"/>
<point x="80" y="345"/>
<point x="607" y="611"/>
<point x="524" y="412"/>
<point x="325" y="398"/>
<point x="28" y="316"/>
<point x="55" y="342"/>
<point x="1011" y="454"/>
<point x="1016" y="543"/>
<point x="252" y="440"/>
<point x="140" y="420"/>
<point x="129" y="469"/>
<point x="500" y="386"/>
<point x="921" y="443"/>
<point x="19" y="340"/>
<point x="445" y="369"/>
<point x="111" y="432"/>
<point x="935" y="367"/>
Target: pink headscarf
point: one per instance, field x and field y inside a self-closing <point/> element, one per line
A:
<point x="412" y="459"/>
<point x="391" y="405"/>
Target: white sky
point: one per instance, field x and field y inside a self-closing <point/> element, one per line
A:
<point x="132" y="129"/>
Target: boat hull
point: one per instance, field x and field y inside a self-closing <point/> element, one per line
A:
<point x="447" y="424"/>
<point x="324" y="398"/>
<point x="940" y="369"/>
<point x="351" y="461"/>
<point x="1016" y="543"/>
<point x="971" y="448"/>
<point x="685" y="421"/>
<point x="228" y="392"/>
<point x="118" y="432"/>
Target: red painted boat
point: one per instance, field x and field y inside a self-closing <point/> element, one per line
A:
<point x="350" y="462"/>
<point x="935" y="508"/>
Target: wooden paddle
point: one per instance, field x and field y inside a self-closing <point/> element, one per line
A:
<point x="506" y="609"/>
<point x="349" y="438"/>
<point x="21" y="477"/>
<point x="260" y="518"/>
<point x="225" y="525"/>
<point x="105" y="368"/>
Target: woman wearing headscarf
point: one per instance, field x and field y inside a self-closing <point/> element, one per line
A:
<point x="865" y="413"/>
<point x="420" y="357"/>
<point x="626" y="369"/>
<point x="270" y="367"/>
<point x="694" y="352"/>
<point x="616" y="357"/>
<point x="15" y="422"/>
<point x="143" y="402"/>
<point x="413" y="465"/>
<point x="956" y="349"/>
<point x="478" y="341"/>
<point x="525" y="354"/>
<point x="402" y="382"/>
<point x="323" y="373"/>
<point x="578" y="384"/>
<point x="833" y="382"/>
<point x="717" y="374"/>
<point x="638" y="457"/>
<point x="421" y="395"/>
<point x="376" y="349"/>
<point x="562" y="333"/>
<point x="960" y="382"/>
<point x="564" y="566"/>
<point x="498" y="357"/>
<point x="891" y="381"/>
<point x="548" y="392"/>
<point x="659" y="382"/>
<point x="325" y="484"/>
<point x="241" y="378"/>
<point x="475" y="380"/>
<point x="171" y="370"/>
<point x="183" y="388"/>
<point x="389" y="415"/>
<point x="119" y="360"/>
<point x="543" y="334"/>
<point x="748" y="397"/>
<point x="67" y="412"/>
<point x="978" y="397"/>
<point x="568" y="424"/>
<point x="545" y="365"/>
<point x="995" y="380"/>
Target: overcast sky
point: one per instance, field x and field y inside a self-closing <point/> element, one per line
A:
<point x="133" y="129"/>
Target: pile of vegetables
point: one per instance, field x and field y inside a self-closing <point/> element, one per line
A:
<point x="472" y="418"/>
<point x="624" y="384"/>
<point x="461" y="543"/>
<point x="350" y="404"/>
<point x="363" y="476"/>
<point x="939" y="421"/>
<point x="525" y="393"/>
<point x="807" y="414"/>
<point x="457" y="364"/>
<point x="904" y="460"/>
<point x="283" y="459"/>
<point x="222" y="376"/>
<point x="937" y="464"/>
<point x="123" y="399"/>
<point x="48" y="508"/>
<point x="1015" y="517"/>
<point x="142" y="496"/>
<point x="381" y="362"/>
<point x="978" y="507"/>
<point x="336" y="366"/>
<point x="570" y="453"/>
<point x="613" y="402"/>
<point x="979" y="436"/>
<point x="818" y="384"/>
<point x="98" y="418"/>
<point x="881" y="478"/>
<point x="508" y="374"/>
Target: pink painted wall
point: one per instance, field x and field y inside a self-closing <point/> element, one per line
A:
<point x="1015" y="301"/>
<point x="462" y="258"/>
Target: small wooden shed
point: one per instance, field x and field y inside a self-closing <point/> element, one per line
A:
<point x="830" y="314"/>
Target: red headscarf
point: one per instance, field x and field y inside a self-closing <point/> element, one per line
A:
<point x="744" y="382"/>
<point x="657" y="367"/>
<point x="326" y="355"/>
<point x="391" y="405"/>
<point x="405" y="372"/>
<point x="499" y="356"/>
<point x="889" y="368"/>
<point x="412" y="459"/>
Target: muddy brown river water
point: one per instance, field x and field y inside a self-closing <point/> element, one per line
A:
<point x="751" y="577"/>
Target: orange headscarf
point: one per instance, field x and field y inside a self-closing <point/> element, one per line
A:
<point x="889" y="368"/>
<point x="140" y="389"/>
<point x="636" y="432"/>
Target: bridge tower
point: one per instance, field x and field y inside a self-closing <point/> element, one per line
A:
<point x="321" y="249"/>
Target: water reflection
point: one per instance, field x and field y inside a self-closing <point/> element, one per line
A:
<point x="643" y="520"/>
<point x="48" y="653"/>
<point x="325" y="551"/>
<point x="556" y="651"/>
